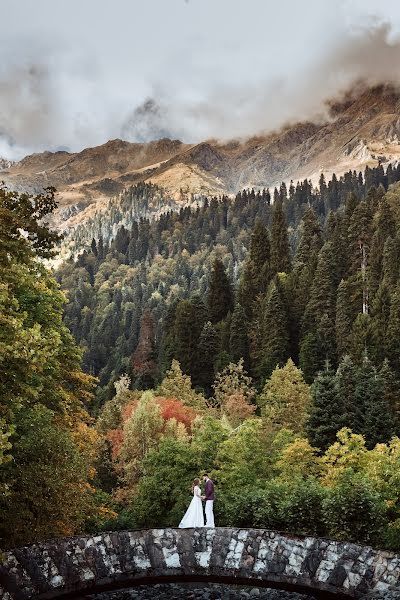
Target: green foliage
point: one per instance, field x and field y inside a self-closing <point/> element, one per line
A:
<point x="46" y="481"/>
<point x="285" y="399"/>
<point x="280" y="251"/>
<point x="47" y="447"/>
<point x="220" y="295"/>
<point x="275" y="329"/>
<point x="177" y="385"/>
<point x="340" y="299"/>
<point x="326" y="413"/>
<point x="353" y="510"/>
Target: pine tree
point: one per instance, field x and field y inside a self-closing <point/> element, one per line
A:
<point x="310" y="240"/>
<point x="310" y="359"/>
<point x="256" y="272"/>
<point x="380" y="313"/>
<point x="344" y="318"/>
<point x="391" y="387"/>
<point x="275" y="351"/>
<point x="360" y="238"/>
<point x="390" y="261"/>
<point x="186" y="338"/>
<point x="327" y="339"/>
<point x="345" y="388"/>
<point x="280" y="250"/>
<point x="144" y="357"/>
<point x="376" y="422"/>
<point x="326" y="412"/>
<point x="239" y="339"/>
<point x="385" y="228"/>
<point x="220" y="295"/>
<point x="361" y="337"/>
<point x="207" y="353"/>
<point x="322" y="296"/>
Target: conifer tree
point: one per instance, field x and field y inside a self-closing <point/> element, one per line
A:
<point x="345" y="387"/>
<point x="391" y="387"/>
<point x="361" y="337"/>
<point x="380" y="313"/>
<point x="256" y="272"/>
<point x="239" y="339"/>
<point x="344" y="318"/>
<point x="326" y="412"/>
<point x="280" y="250"/>
<point x="390" y="261"/>
<point x="144" y="357"/>
<point x="207" y="353"/>
<point x="385" y="228"/>
<point x="327" y="339"/>
<point x="377" y="422"/>
<point x="310" y="358"/>
<point x="220" y="295"/>
<point x="360" y="238"/>
<point x="186" y="337"/>
<point x="275" y="351"/>
<point x="310" y="240"/>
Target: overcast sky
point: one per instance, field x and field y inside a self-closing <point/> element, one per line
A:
<point x="75" y="73"/>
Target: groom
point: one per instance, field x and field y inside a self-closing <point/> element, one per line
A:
<point x="209" y="498"/>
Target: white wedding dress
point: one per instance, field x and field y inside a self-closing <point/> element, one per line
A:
<point x="194" y="516"/>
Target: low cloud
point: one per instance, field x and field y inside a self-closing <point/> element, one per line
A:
<point x="72" y="77"/>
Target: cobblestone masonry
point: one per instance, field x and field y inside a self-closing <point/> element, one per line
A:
<point x="74" y="566"/>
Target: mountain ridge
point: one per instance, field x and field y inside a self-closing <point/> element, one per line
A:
<point x="362" y="129"/>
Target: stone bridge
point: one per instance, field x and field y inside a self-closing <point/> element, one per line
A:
<point x="85" y="565"/>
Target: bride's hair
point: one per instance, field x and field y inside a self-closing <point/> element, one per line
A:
<point x="195" y="482"/>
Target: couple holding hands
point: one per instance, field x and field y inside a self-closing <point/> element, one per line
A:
<point x="194" y="516"/>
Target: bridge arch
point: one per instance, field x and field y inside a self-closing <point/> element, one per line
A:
<point x="68" y="567"/>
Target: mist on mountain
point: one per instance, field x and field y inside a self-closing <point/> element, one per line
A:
<point x="72" y="76"/>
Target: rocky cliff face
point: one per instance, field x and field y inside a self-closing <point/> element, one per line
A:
<point x="361" y="129"/>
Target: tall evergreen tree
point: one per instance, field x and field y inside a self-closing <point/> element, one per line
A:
<point x="345" y="388"/>
<point x="239" y="339"/>
<point x="380" y="313"/>
<point x="377" y="421"/>
<point x="385" y="228"/>
<point x="220" y="295"/>
<point x="144" y="357"/>
<point x="322" y="296"/>
<point x="275" y="350"/>
<point x="186" y="337"/>
<point x="362" y="337"/>
<point x="390" y="261"/>
<point x="207" y="353"/>
<point x="344" y="318"/>
<point x="310" y="240"/>
<point x="326" y="412"/>
<point x="257" y="268"/>
<point x="360" y="238"/>
<point x="280" y="250"/>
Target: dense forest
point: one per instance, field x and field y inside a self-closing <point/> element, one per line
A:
<point x="255" y="338"/>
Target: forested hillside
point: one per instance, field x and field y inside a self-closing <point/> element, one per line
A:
<point x="265" y="332"/>
<point x="310" y="274"/>
<point x="254" y="338"/>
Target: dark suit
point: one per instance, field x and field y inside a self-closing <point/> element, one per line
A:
<point x="209" y="490"/>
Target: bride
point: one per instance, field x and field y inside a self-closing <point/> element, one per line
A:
<point x="194" y="516"/>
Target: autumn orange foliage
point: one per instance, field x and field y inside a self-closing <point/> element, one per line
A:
<point x="171" y="408"/>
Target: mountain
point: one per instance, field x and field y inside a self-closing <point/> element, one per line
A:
<point x="360" y="129"/>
